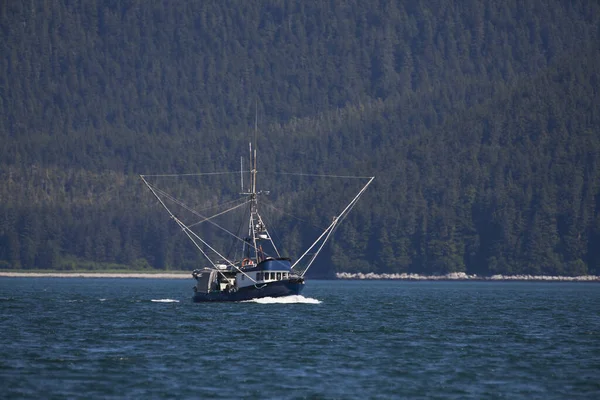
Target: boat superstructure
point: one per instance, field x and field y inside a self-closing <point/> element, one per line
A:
<point x="260" y="271"/>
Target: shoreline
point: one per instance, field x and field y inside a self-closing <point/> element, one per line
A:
<point x="461" y="276"/>
<point x="457" y="276"/>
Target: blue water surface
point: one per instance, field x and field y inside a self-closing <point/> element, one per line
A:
<point x="144" y="338"/>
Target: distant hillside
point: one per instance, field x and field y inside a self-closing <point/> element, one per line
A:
<point x="480" y="122"/>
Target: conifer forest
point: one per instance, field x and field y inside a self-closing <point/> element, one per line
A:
<point x="480" y="121"/>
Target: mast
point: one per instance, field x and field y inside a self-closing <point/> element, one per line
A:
<point x="255" y="146"/>
<point x="253" y="203"/>
<point x="254" y="218"/>
<point x="257" y="231"/>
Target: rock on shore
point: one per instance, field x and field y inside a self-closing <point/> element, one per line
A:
<point x="460" y="276"/>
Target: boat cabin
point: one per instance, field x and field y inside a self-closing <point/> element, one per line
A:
<point x="268" y="270"/>
<point x="265" y="272"/>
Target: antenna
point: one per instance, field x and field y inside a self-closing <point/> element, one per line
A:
<point x="251" y="172"/>
<point x="242" y="172"/>
<point x="254" y="206"/>
<point x="255" y="145"/>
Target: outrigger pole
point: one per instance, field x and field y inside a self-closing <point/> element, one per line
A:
<point x="327" y="233"/>
<point x="189" y="234"/>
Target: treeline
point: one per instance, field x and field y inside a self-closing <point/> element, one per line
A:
<point x="479" y="120"/>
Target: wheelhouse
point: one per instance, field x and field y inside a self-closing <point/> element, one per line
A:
<point x="268" y="270"/>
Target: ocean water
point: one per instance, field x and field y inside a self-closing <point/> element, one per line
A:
<point x="144" y="338"/>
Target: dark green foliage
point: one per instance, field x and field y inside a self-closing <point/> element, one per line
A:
<point x="480" y="121"/>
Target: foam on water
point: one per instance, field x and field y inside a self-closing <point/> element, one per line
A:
<point x="295" y="299"/>
<point x="164" y="301"/>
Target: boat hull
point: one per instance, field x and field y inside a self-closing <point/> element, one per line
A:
<point x="271" y="289"/>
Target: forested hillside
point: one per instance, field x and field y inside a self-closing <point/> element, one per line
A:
<point x="480" y="121"/>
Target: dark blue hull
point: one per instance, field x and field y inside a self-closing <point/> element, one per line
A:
<point x="271" y="289"/>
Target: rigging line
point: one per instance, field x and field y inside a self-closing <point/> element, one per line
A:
<point x="216" y="215"/>
<point x="238" y="232"/>
<point x="222" y="204"/>
<point x="260" y="219"/>
<point x="186" y="207"/>
<point x="253" y="236"/>
<point x="269" y="236"/>
<point x="273" y="242"/>
<point x="252" y="244"/>
<point x="214" y="251"/>
<point x="183" y="228"/>
<point x="181" y="225"/>
<point x="188" y="231"/>
<point x="194" y="174"/>
<point x="335" y="221"/>
<point x="342" y="218"/>
<point x="313" y="245"/>
<point x="292" y="215"/>
<point x="200" y="215"/>
<point x="320" y="248"/>
<point x="192" y="210"/>
<point x="320" y="176"/>
<point x="181" y="203"/>
<point x="339" y="218"/>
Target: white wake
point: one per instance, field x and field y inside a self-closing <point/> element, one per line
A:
<point x="164" y="301"/>
<point x="295" y="299"/>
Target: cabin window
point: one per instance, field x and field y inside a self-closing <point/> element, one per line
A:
<point x="273" y="275"/>
<point x="284" y="275"/>
<point x="243" y="277"/>
<point x="279" y="276"/>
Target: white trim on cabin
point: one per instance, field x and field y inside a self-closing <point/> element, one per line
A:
<point x="260" y="277"/>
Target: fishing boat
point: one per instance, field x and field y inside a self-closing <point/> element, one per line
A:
<point x="259" y="270"/>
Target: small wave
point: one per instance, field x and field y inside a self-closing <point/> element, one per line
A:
<point x="295" y="299"/>
<point x="102" y="299"/>
<point x="459" y="276"/>
<point x="164" y="301"/>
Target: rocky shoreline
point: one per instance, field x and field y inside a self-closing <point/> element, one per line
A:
<point x="456" y="276"/>
<point x="461" y="276"/>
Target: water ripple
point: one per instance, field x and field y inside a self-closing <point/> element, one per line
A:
<point x="127" y="338"/>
